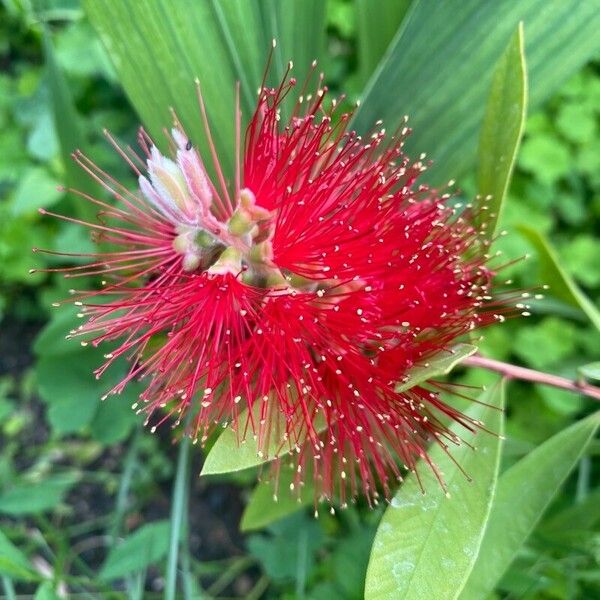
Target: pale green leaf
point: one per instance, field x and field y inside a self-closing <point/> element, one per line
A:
<point x="561" y="284"/>
<point x="426" y="544"/>
<point x="523" y="494"/>
<point x="227" y="455"/>
<point x="439" y="68"/>
<point x="502" y="128"/>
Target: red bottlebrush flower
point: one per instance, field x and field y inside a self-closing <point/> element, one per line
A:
<point x="304" y="291"/>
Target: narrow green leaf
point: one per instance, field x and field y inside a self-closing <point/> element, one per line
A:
<point x="31" y="497"/>
<point x="562" y="285"/>
<point x="66" y="121"/>
<point x="148" y="545"/>
<point x="426" y="544"/>
<point x="439" y="68"/>
<point x="263" y="509"/>
<point x="524" y="492"/>
<point x="159" y="47"/>
<point x="378" y="23"/>
<point x="502" y="128"/>
<point x="227" y="456"/>
<point x="13" y="563"/>
<point x="46" y="591"/>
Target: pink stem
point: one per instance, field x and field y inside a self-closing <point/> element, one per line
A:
<point x="513" y="372"/>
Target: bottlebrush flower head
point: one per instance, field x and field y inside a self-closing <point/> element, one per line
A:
<point x="291" y="301"/>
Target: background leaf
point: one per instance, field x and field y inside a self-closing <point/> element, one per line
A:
<point x="31" y="497"/>
<point x="524" y="492"/>
<point x="147" y="545"/>
<point x="262" y="509"/>
<point x="502" y="128"/>
<point x="439" y="69"/>
<point x="553" y="274"/>
<point x="13" y="563"/>
<point x="67" y="124"/>
<point x="426" y="544"/>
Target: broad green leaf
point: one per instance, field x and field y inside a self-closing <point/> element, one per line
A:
<point x="227" y="455"/>
<point x="66" y="121"/>
<point x="439" y="68"/>
<point x="13" y="563"/>
<point x="524" y="492"/>
<point x="148" y="545"/>
<point x="426" y="543"/>
<point x="502" y="128"/>
<point x="31" y="497"/>
<point x="263" y="509"/>
<point x="378" y="23"/>
<point x="70" y="389"/>
<point x="159" y="47"/>
<point x="590" y="371"/>
<point x="553" y="274"/>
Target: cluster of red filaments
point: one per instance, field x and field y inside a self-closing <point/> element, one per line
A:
<point x="291" y="302"/>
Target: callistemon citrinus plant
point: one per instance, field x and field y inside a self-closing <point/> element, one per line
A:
<point x="290" y="298"/>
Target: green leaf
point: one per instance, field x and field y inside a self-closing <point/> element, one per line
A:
<point x="502" y="128"/>
<point x="114" y="418"/>
<point x="36" y="189"/>
<point x="146" y="546"/>
<point x="590" y="371"/>
<point x="31" y="497"/>
<point x="580" y="516"/>
<point x="523" y="494"/>
<point x="46" y="591"/>
<point x="378" y="23"/>
<point x="66" y="121"/>
<point x="70" y="389"/>
<point x="13" y="563"/>
<point x="552" y="273"/>
<point x="439" y="68"/>
<point x="227" y="456"/>
<point x="263" y="509"/>
<point x="291" y="548"/>
<point x="159" y="47"/>
<point x="426" y="544"/>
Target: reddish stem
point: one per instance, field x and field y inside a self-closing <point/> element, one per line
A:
<point x="514" y="372"/>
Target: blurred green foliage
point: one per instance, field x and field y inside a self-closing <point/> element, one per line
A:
<point x="62" y="479"/>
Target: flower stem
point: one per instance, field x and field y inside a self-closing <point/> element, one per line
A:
<point x="514" y="372"/>
<point x="177" y="516"/>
